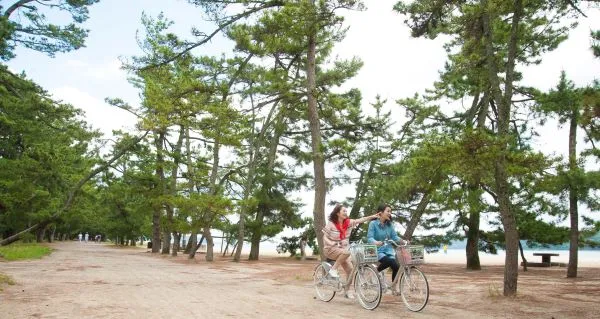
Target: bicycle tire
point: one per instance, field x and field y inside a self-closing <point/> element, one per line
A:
<point x="414" y="288"/>
<point x="367" y="285"/>
<point x="324" y="291"/>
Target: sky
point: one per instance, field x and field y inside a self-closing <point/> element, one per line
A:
<point x="395" y="65"/>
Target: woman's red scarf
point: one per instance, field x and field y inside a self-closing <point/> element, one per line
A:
<point x="343" y="227"/>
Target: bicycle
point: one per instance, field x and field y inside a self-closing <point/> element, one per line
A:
<point x="411" y="285"/>
<point x="367" y="284"/>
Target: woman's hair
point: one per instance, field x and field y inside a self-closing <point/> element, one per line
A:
<point x="333" y="215"/>
<point x="381" y="208"/>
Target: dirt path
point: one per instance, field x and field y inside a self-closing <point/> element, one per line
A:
<point x="98" y="281"/>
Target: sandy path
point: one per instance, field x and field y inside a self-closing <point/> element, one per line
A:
<point x="98" y="281"/>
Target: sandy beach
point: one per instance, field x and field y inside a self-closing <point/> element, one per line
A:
<point x="103" y="281"/>
<point x="587" y="258"/>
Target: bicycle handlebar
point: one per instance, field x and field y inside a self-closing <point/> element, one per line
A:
<point x="395" y="244"/>
<point x="385" y="241"/>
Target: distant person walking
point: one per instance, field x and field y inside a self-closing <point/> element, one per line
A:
<point x="445" y="249"/>
<point x="79" y="236"/>
<point x="87" y="236"/>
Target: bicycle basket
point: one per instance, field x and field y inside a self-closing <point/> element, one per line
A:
<point x="362" y="254"/>
<point x="411" y="254"/>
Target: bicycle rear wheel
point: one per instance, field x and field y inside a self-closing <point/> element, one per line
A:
<point x="414" y="288"/>
<point x="368" y="287"/>
<point x="325" y="291"/>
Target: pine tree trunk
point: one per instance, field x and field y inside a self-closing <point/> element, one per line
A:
<point x="415" y="219"/>
<point x="472" y="248"/>
<point x="52" y="233"/>
<point x="271" y="157"/>
<point x="244" y="209"/>
<point x="227" y="245"/>
<point x="209" y="244"/>
<point x="523" y="256"/>
<point x="214" y="191"/>
<point x="191" y="244"/>
<point x="355" y="210"/>
<point x="196" y="247"/>
<point x="40" y="234"/>
<point x="256" y="236"/>
<point x="171" y="189"/>
<point x="176" y="241"/>
<point x="254" y="247"/>
<point x="361" y="189"/>
<point x="234" y="247"/>
<point x="511" y="262"/>
<point x="573" y="212"/>
<point x="156" y="212"/>
<point x="160" y="176"/>
<point x="316" y="143"/>
<point x="474" y="195"/>
<point x="166" y="244"/>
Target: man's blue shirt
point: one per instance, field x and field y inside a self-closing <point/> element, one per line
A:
<point x="379" y="232"/>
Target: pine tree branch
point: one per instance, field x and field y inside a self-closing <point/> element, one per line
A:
<point x="16" y="6"/>
<point x="231" y="20"/>
<point x="570" y="2"/>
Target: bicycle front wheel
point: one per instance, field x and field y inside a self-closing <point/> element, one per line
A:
<point x="368" y="287"/>
<point x="325" y="291"/>
<point x="414" y="288"/>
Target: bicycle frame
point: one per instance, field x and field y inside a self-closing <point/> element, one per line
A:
<point x="327" y="286"/>
<point x="345" y="285"/>
<point x="405" y="271"/>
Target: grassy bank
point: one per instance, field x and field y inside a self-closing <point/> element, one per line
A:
<point x="19" y="251"/>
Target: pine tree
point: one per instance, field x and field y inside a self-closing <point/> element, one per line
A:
<point x="23" y="23"/>
<point x="567" y="105"/>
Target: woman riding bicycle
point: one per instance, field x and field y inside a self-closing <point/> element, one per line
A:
<point x="379" y="231"/>
<point x="336" y="240"/>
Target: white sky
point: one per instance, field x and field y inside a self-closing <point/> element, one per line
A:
<point x="395" y="65"/>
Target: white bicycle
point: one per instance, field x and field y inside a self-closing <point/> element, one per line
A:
<point x="411" y="285"/>
<point x="366" y="279"/>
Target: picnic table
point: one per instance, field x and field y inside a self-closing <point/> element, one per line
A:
<point x="546" y="257"/>
<point x="546" y="260"/>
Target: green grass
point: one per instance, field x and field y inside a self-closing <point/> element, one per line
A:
<point x="4" y="279"/>
<point x="19" y="251"/>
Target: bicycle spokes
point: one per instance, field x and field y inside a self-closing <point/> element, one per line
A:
<point x="368" y="287"/>
<point x="414" y="289"/>
<point x="324" y="286"/>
